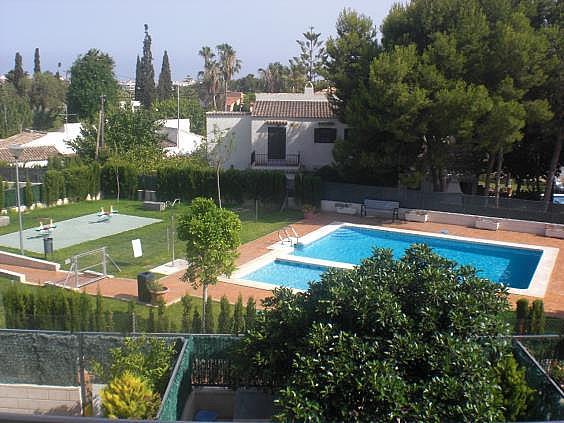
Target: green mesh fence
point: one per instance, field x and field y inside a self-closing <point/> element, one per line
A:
<point x="549" y="403"/>
<point x="10" y="197"/>
<point x="39" y="358"/>
<point x="204" y="360"/>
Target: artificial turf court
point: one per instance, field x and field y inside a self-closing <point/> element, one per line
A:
<point x="77" y="230"/>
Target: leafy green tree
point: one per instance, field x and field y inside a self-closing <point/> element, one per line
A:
<point x="250" y="314"/>
<point x="190" y="108"/>
<point x="209" y="321"/>
<point x="47" y="98"/>
<point x="146" y="83"/>
<point x="229" y="65"/>
<point x="92" y="75"/>
<point x="212" y="239"/>
<point x="225" y="320"/>
<point x="517" y="395"/>
<point x="15" y="113"/>
<point x="411" y="339"/>
<point x="275" y="77"/>
<point x="238" y="319"/>
<point x="126" y="132"/>
<point x="312" y="54"/>
<point x="164" y="89"/>
<point x="36" y="62"/>
<point x="211" y="75"/>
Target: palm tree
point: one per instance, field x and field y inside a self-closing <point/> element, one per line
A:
<point x="274" y="77"/>
<point x="211" y="74"/>
<point x="229" y="65"/>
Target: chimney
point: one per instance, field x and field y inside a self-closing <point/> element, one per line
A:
<point x="308" y="89"/>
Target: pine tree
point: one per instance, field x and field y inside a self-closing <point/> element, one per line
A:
<point x="224" y="321"/>
<point x="312" y="54"/>
<point x="251" y="314"/>
<point x="196" y="322"/>
<point x="36" y="62"/>
<point x="210" y="323"/>
<point x="186" y="308"/>
<point x="147" y="89"/>
<point x="164" y="89"/>
<point x="238" y="320"/>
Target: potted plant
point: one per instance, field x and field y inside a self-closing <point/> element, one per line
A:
<point x="309" y="211"/>
<point x="157" y="292"/>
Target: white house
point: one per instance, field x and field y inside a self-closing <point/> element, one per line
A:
<point x="284" y="131"/>
<point x="179" y="140"/>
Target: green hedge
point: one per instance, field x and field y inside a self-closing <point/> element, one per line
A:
<point x="189" y="181"/>
<point x="127" y="174"/>
<point x="10" y="199"/>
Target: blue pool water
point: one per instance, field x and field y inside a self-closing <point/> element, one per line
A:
<point x="513" y="267"/>
<point x="292" y="274"/>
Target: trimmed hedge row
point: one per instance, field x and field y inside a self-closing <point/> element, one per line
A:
<point x="127" y="175"/>
<point x="74" y="182"/>
<point x="308" y="189"/>
<point x="188" y="182"/>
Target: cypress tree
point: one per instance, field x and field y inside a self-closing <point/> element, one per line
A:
<point x="162" y="321"/>
<point x="151" y="321"/>
<point x="164" y="89"/>
<point x="108" y="321"/>
<point x="522" y="314"/>
<point x="58" y="73"/>
<point x="137" y="94"/>
<point x="1" y="193"/>
<point x="537" y="319"/>
<point x="210" y="324"/>
<point x="147" y="77"/>
<point x="196" y="322"/>
<point x="99" y="313"/>
<point x="28" y="194"/>
<point x="186" y="308"/>
<point x="17" y="75"/>
<point x="85" y="312"/>
<point x="251" y="314"/>
<point x="238" y="320"/>
<point x="36" y="62"/>
<point x="224" y="322"/>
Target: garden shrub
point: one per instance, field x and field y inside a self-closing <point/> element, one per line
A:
<point x="53" y="186"/>
<point x="224" y="321"/>
<point x="238" y="319"/>
<point x="537" y="318"/>
<point x="127" y="396"/>
<point x="517" y="394"/>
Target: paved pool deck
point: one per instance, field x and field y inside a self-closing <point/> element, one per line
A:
<point x="127" y="288"/>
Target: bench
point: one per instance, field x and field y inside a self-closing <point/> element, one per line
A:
<point x="154" y="205"/>
<point x="380" y="206"/>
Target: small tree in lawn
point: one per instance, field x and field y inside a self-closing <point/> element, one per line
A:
<point x="212" y="238"/>
<point x="219" y="149"/>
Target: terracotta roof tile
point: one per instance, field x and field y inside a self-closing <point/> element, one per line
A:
<point x="30" y="154"/>
<point x="294" y="109"/>
<point x="21" y="138"/>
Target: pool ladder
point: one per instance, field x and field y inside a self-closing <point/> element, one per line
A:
<point x="284" y="235"/>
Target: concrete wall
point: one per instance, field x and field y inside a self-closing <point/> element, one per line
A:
<point x="236" y="125"/>
<point x="18" y="260"/>
<point x="299" y="139"/>
<point x="40" y="399"/>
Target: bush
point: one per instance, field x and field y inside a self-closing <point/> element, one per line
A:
<point x="224" y="321"/>
<point x="128" y="397"/>
<point x="516" y="393"/>
<point x="308" y="189"/>
<point x="53" y="186"/>
<point x="537" y="319"/>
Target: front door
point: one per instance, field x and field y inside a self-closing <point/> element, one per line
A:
<point x="276" y="143"/>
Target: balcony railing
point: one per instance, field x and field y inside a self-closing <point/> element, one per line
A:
<point x="291" y="160"/>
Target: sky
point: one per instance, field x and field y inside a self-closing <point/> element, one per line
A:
<point x="260" y="31"/>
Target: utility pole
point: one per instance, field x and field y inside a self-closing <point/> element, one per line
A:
<point x="177" y="117"/>
<point x="100" y="135"/>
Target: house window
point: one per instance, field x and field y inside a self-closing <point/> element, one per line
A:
<point x="325" y="135"/>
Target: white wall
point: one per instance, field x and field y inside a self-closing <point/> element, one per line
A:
<point x="40" y="399"/>
<point x="299" y="139"/>
<point x="238" y="126"/>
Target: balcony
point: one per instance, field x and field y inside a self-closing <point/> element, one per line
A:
<point x="263" y="161"/>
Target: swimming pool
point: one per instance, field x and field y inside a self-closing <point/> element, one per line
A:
<point x="525" y="269"/>
<point x="511" y="266"/>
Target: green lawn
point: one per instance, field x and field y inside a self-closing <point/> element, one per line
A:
<point x="153" y="237"/>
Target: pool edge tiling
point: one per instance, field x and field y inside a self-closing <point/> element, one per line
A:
<point x="536" y="288"/>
